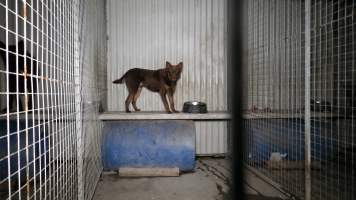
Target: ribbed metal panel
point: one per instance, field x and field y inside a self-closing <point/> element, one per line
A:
<point x="146" y="33"/>
<point x="211" y="137"/>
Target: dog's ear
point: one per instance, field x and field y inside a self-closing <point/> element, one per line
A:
<point x="180" y="66"/>
<point x="168" y="64"/>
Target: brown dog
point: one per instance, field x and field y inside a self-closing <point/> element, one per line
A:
<point x="163" y="81"/>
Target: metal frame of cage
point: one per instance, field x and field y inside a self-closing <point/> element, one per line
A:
<point x="300" y="95"/>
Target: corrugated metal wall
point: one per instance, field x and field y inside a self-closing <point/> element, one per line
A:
<point x="274" y="55"/>
<point x="146" y="33"/>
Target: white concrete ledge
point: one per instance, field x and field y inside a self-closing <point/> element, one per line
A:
<point x="276" y="115"/>
<point x="117" y="115"/>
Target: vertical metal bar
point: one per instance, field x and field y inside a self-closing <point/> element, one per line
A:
<point x="307" y="102"/>
<point x="24" y="7"/>
<point x="7" y="100"/>
<point x="339" y="102"/>
<point x="38" y="97"/>
<point x="45" y="128"/>
<point x="287" y="82"/>
<point x="52" y="93"/>
<point x="299" y="84"/>
<point x="57" y="93"/>
<point x="78" y="102"/>
<point x="353" y="106"/>
<point x="71" y="153"/>
<point x="33" y="144"/>
<point x="346" y="82"/>
<point x="17" y="103"/>
<point x="49" y="105"/>
<point x="329" y="84"/>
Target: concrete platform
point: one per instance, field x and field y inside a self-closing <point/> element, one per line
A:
<point x="210" y="181"/>
<point x="117" y="115"/>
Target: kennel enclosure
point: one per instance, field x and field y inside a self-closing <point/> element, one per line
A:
<point x="51" y="138"/>
<point x="299" y="94"/>
<point x="299" y="87"/>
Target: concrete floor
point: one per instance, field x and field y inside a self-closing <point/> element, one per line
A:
<point x="209" y="182"/>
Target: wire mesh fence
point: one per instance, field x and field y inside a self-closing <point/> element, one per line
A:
<point x="48" y="136"/>
<point x="300" y="87"/>
<point x="94" y="91"/>
<point x="333" y="91"/>
<point x="38" y="130"/>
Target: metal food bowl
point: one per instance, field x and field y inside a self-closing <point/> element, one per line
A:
<point x="194" y="107"/>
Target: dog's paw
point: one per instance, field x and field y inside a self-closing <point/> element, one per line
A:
<point x="176" y="111"/>
<point x="169" y="112"/>
<point x="127" y="111"/>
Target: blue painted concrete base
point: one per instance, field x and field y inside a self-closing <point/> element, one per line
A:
<point x="152" y="143"/>
<point x="286" y="136"/>
<point x="37" y="142"/>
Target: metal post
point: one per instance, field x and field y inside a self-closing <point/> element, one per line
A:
<point x="78" y="96"/>
<point x="307" y="102"/>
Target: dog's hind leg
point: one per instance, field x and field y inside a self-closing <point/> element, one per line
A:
<point x="128" y="101"/>
<point x="137" y="94"/>
<point x="132" y="87"/>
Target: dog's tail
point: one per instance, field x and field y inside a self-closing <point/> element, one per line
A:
<point x="120" y="80"/>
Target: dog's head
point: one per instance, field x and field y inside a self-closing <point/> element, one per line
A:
<point x="174" y="71"/>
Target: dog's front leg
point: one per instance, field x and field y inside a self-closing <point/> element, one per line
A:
<point x="171" y="101"/>
<point x="164" y="100"/>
